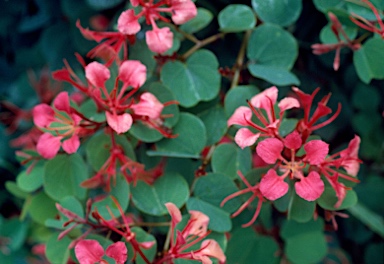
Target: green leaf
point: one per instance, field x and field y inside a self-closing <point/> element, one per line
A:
<point x="369" y="60"/>
<point x="238" y="96"/>
<point x="70" y="203"/>
<point x="31" y="181"/>
<point x="273" y="74"/>
<point x="328" y="37"/>
<point x="325" y="5"/>
<point x="57" y="251"/>
<point x="213" y="188"/>
<point x="229" y="158"/>
<point x="14" y="232"/>
<point x="270" y="45"/>
<point x="219" y="219"/>
<point x="142" y="236"/>
<point x="203" y="18"/>
<point x="121" y="192"/>
<point x="236" y="18"/>
<point x="304" y="242"/>
<point x="99" y="146"/>
<point x="41" y="207"/>
<point x="196" y="80"/>
<point x="63" y="176"/>
<point x="103" y="4"/>
<point x="300" y="210"/>
<point x="287" y="126"/>
<point x="15" y="190"/>
<point x="272" y="52"/>
<point x="306" y="248"/>
<point x="215" y="123"/>
<point x="374" y="221"/>
<point x="283" y="13"/>
<point x="189" y="143"/>
<point x="328" y="199"/>
<point x="246" y="246"/>
<point x="150" y="199"/>
<point x="145" y="133"/>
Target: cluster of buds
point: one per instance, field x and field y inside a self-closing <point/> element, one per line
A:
<point x="295" y="157"/>
<point x="159" y="40"/>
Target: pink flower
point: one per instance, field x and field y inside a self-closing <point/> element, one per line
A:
<point x="90" y="252"/>
<point x="148" y="106"/>
<point x="48" y="145"/>
<point x="128" y="23"/>
<point x="272" y="186"/>
<point x="245" y="137"/>
<point x="47" y="118"/>
<point x="269" y="150"/>
<point x="316" y="151"/>
<point x="183" y="11"/>
<point x="133" y="73"/>
<point x="159" y="39"/>
<point x="97" y="74"/>
<point x="311" y="187"/>
<point x="241" y="116"/>
<point x="120" y="123"/>
<point x="349" y="157"/>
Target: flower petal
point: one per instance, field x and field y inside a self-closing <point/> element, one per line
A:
<point x="197" y="224"/>
<point x="183" y="11"/>
<point x="120" y="123"/>
<point x="212" y="248"/>
<point x="272" y="186"/>
<point x="43" y="115"/>
<point x="174" y="213"/>
<point x="270" y="150"/>
<point x="245" y="137"/>
<point x="48" y="145"/>
<point x="264" y="99"/>
<point x="316" y="151"/>
<point x="118" y="251"/>
<point x="71" y="144"/>
<point x="159" y="40"/>
<point x="350" y="161"/>
<point x="311" y="187"/>
<point x="240" y="116"/>
<point x="288" y="103"/>
<point x="293" y="140"/>
<point x="96" y="73"/>
<point x="61" y="102"/>
<point x="128" y="23"/>
<point x="148" y="106"/>
<point x="133" y="73"/>
<point x="88" y="251"/>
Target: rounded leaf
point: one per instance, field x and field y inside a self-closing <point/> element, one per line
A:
<point x="283" y="13"/>
<point x="236" y="18"/>
<point x="151" y="199"/>
<point x="196" y="80"/>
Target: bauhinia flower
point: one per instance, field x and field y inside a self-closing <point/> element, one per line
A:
<point x="262" y="106"/>
<point x="62" y="125"/>
<point x="194" y="232"/>
<point x="158" y="39"/>
<point x="89" y="251"/>
<point x="295" y="157"/>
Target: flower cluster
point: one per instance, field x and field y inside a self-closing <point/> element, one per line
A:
<point x="159" y="40"/>
<point x="295" y="157"/>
